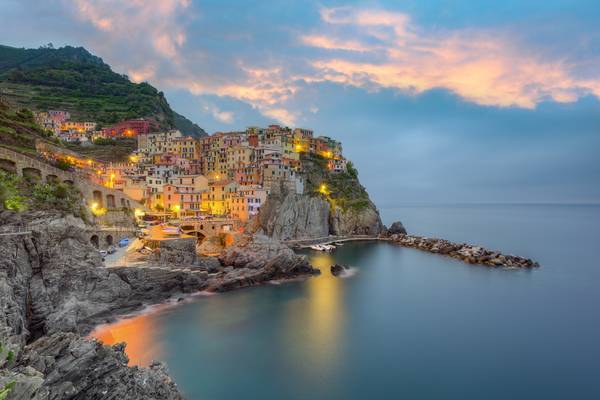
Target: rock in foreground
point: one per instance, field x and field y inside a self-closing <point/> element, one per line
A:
<point x="78" y="368"/>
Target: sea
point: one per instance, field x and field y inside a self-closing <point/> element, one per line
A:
<point x="402" y="323"/>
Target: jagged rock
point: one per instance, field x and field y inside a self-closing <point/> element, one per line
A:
<point x="396" y="229"/>
<point x="257" y="259"/>
<point x="78" y="368"/>
<point x="177" y="251"/>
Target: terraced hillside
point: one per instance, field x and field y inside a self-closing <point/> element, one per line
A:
<point x="72" y="79"/>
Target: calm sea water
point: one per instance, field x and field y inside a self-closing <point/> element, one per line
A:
<point x="407" y="324"/>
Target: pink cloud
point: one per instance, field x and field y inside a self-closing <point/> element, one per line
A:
<point x="481" y="66"/>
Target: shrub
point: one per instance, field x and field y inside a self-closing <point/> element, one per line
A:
<point x="58" y="196"/>
<point x="63" y="164"/>
<point x="105" y="142"/>
<point x="10" y="194"/>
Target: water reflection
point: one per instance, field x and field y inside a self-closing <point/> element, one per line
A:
<point x="317" y="320"/>
<point x="140" y="335"/>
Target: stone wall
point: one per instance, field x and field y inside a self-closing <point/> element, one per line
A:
<point x="21" y="164"/>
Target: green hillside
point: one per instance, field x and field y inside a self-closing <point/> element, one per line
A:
<point x="18" y="130"/>
<point x="72" y="79"/>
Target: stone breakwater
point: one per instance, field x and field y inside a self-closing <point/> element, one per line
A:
<point x="462" y="251"/>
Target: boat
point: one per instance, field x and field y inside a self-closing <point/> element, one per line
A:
<point x="124" y="242"/>
<point x="322" y="247"/>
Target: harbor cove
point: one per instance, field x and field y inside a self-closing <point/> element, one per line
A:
<point x="400" y="322"/>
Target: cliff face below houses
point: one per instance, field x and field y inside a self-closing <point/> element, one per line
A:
<point x="332" y="203"/>
<point x="54" y="288"/>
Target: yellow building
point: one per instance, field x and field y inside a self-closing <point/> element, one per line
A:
<point x="214" y="201"/>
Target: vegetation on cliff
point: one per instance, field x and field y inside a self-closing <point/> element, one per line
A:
<point x="18" y="129"/>
<point x="72" y="79"/>
<point x="20" y="194"/>
<point x="341" y="189"/>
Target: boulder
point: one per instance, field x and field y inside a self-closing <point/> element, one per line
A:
<point x="337" y="269"/>
<point x="397" y="229"/>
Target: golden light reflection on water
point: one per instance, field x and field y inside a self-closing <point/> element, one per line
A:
<point x="139" y="334"/>
<point x="322" y="316"/>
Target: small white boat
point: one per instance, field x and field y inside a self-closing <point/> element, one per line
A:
<point x="322" y="247"/>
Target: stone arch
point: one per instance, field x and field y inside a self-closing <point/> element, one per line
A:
<point x="8" y="166"/>
<point x="110" y="201"/>
<point x="97" y="196"/>
<point x="95" y="241"/>
<point x="32" y="174"/>
<point x="52" y="178"/>
<point x="109" y="240"/>
<point x="199" y="235"/>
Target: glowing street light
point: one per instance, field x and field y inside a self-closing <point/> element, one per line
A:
<point x="94" y="206"/>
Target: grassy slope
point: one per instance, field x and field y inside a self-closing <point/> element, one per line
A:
<point x="72" y="79"/>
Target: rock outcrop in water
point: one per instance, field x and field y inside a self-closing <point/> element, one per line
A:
<point x="54" y="288"/>
<point x="337" y="269"/>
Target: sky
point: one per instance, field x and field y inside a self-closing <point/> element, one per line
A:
<point x="440" y="101"/>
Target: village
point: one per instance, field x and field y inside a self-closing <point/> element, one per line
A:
<point x="204" y="185"/>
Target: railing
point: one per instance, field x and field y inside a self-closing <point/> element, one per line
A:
<point x="16" y="231"/>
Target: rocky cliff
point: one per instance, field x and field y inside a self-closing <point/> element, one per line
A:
<point x="54" y="288"/>
<point x="332" y="203"/>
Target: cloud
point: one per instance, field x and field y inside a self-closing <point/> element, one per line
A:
<point x="226" y="117"/>
<point x="141" y="75"/>
<point x="136" y="22"/>
<point x="368" y="48"/>
<point x="281" y="114"/>
<point x="485" y="67"/>
<point x="326" y="42"/>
